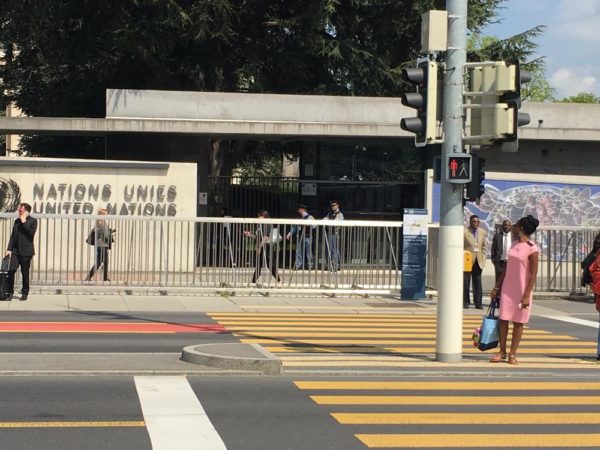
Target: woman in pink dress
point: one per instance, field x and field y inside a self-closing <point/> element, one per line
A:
<point x="516" y="287"/>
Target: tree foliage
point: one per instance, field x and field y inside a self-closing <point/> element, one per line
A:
<point x="582" y="97"/>
<point x="61" y="55"/>
<point x="522" y="47"/>
<point x="538" y="89"/>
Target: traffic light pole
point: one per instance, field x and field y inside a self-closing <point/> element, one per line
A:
<point x="449" y="338"/>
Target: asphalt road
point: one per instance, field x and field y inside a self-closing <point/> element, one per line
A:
<point x="308" y="413"/>
<point x="303" y="411"/>
<point x="131" y="340"/>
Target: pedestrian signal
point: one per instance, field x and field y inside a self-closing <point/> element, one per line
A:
<point x="458" y="168"/>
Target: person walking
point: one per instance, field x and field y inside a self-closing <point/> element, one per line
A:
<point x="332" y="236"/>
<point x="304" y="254"/>
<point x="266" y="236"/>
<point x="593" y="258"/>
<point x="586" y="277"/>
<point x="516" y="287"/>
<point x="475" y="242"/>
<point x="101" y="237"/>
<point x="501" y="244"/>
<point x="20" y="249"/>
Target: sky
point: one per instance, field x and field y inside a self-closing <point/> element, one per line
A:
<point x="571" y="41"/>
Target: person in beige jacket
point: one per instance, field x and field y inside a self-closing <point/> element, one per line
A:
<point x="476" y="244"/>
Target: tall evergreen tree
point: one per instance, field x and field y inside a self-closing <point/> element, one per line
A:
<point x="61" y="55"/>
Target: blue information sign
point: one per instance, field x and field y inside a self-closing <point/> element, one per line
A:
<point x="414" y="254"/>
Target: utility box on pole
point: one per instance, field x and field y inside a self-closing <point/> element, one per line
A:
<point x="434" y="31"/>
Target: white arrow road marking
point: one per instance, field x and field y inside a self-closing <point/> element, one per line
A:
<point x="175" y="418"/>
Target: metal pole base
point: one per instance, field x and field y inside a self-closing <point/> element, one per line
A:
<point x="448" y="357"/>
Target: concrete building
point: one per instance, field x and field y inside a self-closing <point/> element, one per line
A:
<point x="558" y="150"/>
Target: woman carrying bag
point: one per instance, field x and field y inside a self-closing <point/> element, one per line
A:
<point x="516" y="288"/>
<point x="101" y="237"/>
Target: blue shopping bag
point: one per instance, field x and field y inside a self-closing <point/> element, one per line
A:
<point x="488" y="334"/>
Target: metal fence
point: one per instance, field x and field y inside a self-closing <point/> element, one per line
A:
<point x="562" y="249"/>
<point x="214" y="254"/>
<point x="235" y="254"/>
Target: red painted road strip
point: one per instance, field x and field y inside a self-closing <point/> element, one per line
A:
<point x="106" y="327"/>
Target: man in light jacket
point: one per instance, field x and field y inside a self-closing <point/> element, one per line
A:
<point x="475" y="243"/>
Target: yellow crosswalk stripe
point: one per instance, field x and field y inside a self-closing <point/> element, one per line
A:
<point x="300" y="317"/>
<point x="375" y="329"/>
<point x="455" y="418"/>
<point x="414" y="362"/>
<point x="402" y="335"/>
<point x="349" y="315"/>
<point x="443" y="440"/>
<point x="449" y="385"/>
<point x="522" y="350"/>
<point x="345" y="315"/>
<point x="358" y="358"/>
<point x="299" y="348"/>
<point x="492" y="400"/>
<point x="396" y="323"/>
<point x="385" y="341"/>
<point x="516" y="394"/>
<point x="383" y="334"/>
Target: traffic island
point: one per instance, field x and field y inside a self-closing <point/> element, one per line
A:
<point x="233" y="356"/>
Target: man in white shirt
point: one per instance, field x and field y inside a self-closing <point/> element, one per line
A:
<point x="304" y="254"/>
<point x="501" y="244"/>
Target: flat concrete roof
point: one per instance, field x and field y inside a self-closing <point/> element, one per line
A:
<point x="273" y="116"/>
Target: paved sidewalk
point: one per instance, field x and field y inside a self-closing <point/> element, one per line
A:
<point x="215" y="303"/>
<point x="280" y="303"/>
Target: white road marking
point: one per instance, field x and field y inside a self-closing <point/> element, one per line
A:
<point x="587" y="323"/>
<point x="175" y="418"/>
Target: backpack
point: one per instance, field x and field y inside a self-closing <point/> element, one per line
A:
<point x="595" y="275"/>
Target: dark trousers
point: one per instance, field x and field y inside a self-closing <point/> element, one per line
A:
<point x="475" y="275"/>
<point x="25" y="263"/>
<point x="264" y="258"/>
<point x="500" y="268"/>
<point x="101" y="261"/>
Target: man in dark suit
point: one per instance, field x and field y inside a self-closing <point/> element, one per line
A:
<point x="501" y="244"/>
<point x="20" y="248"/>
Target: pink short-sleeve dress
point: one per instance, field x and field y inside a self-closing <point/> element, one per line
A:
<point x="515" y="281"/>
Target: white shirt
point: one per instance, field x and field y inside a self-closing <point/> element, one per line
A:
<point x="506" y="243"/>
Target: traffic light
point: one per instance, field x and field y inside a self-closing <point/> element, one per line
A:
<point x="475" y="188"/>
<point x="426" y="101"/>
<point x="494" y="99"/>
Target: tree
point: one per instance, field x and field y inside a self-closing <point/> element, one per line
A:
<point x="61" y="55"/>
<point x="521" y="46"/>
<point x="582" y="97"/>
<point x="538" y="89"/>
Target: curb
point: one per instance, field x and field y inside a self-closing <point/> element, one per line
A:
<point x="216" y="355"/>
<point x="120" y="372"/>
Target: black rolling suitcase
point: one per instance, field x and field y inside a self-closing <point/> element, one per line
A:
<point x="4" y="294"/>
